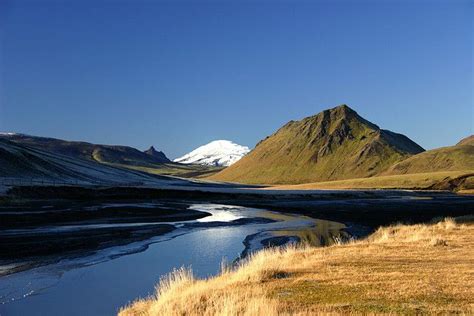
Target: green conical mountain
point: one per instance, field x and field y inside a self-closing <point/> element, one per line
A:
<point x="334" y="144"/>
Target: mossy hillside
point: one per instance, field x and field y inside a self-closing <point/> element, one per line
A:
<point x="453" y="158"/>
<point x="334" y="144"/>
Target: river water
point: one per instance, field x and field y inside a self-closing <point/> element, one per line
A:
<point x="99" y="284"/>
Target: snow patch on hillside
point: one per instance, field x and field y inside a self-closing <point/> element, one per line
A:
<point x="216" y="153"/>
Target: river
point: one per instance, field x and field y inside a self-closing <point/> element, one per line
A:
<point x="99" y="283"/>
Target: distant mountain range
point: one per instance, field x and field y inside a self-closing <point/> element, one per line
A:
<point x="158" y="155"/>
<point x="30" y="162"/>
<point x="334" y="144"/>
<point x="123" y="155"/>
<point x="150" y="161"/>
<point x="215" y="153"/>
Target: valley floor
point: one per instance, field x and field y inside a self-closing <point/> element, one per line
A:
<point x="399" y="269"/>
<point x="461" y="181"/>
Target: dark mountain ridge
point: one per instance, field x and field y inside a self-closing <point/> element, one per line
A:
<point x="113" y="154"/>
<point x="159" y="155"/>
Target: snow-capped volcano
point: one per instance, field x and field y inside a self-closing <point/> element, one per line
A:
<point x="216" y="153"/>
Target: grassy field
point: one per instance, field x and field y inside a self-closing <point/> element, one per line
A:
<point x="434" y="180"/>
<point x="399" y="269"/>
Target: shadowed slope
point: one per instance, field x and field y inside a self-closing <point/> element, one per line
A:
<point x="150" y="161"/>
<point x="24" y="162"/>
<point x="334" y="144"/>
<point x="100" y="153"/>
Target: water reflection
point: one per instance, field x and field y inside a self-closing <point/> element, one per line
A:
<point x="61" y="288"/>
<point x="323" y="233"/>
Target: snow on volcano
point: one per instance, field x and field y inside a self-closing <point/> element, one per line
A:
<point x="216" y="153"/>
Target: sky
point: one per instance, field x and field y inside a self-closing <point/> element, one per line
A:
<point x="178" y="74"/>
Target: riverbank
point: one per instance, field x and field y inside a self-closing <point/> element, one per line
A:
<point x="367" y="207"/>
<point x="39" y="234"/>
<point x="399" y="269"/>
<point x="131" y="270"/>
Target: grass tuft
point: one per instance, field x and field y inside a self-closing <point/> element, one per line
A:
<point x="400" y="269"/>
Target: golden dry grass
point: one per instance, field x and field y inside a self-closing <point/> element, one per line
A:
<point x="405" y="181"/>
<point x="397" y="270"/>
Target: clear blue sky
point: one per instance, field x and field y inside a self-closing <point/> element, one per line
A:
<point x="179" y="74"/>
